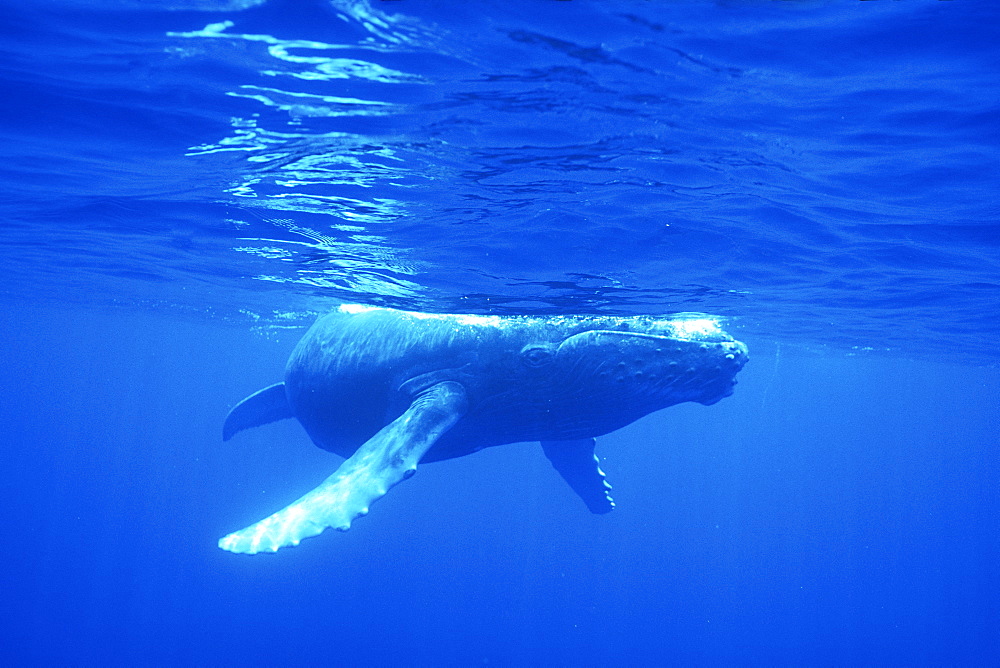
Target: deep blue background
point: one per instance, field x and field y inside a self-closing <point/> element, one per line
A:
<point x="834" y="510"/>
<point x="181" y="196"/>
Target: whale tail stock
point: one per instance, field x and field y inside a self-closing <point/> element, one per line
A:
<point x="261" y="407"/>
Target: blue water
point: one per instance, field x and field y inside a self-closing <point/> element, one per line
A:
<point x="186" y="185"/>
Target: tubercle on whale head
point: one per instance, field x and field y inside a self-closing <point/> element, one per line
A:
<point x="733" y="356"/>
<point x="649" y="369"/>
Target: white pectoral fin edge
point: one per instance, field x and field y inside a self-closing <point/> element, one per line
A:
<point x="386" y="459"/>
<point x="579" y="466"/>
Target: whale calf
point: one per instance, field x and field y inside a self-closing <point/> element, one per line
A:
<point x="389" y="389"/>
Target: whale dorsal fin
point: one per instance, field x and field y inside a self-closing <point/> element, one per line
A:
<point x="386" y="459"/>
<point x="261" y="407"/>
<point x="579" y="466"/>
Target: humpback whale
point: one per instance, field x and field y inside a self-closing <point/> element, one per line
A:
<point x="388" y="389"/>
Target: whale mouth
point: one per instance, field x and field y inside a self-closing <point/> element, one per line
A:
<point x="682" y="327"/>
<point x="625" y="334"/>
<point x="701" y="328"/>
<point x="699" y="348"/>
<point x="715" y="341"/>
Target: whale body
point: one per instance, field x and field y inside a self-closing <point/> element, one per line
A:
<point x="389" y="389"/>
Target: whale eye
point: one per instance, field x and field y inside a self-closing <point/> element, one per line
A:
<point x="535" y="355"/>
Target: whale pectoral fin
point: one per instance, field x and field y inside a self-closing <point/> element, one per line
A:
<point x="261" y="407"/>
<point x="387" y="458"/>
<point x="579" y="466"/>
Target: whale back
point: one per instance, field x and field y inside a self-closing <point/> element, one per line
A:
<point x="344" y="378"/>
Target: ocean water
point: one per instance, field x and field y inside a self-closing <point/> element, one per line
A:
<point x="187" y="184"/>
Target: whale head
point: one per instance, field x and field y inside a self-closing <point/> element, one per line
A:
<point x="597" y="380"/>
